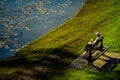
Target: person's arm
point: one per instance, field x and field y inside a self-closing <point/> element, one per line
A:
<point x="96" y="41"/>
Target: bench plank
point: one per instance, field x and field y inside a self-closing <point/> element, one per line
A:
<point x="102" y="51"/>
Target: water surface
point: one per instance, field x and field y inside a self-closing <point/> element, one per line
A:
<point x="22" y="21"/>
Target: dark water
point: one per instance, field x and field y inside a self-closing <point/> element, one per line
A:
<point x="22" y="21"/>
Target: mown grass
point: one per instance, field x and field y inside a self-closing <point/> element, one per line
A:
<point x="66" y="42"/>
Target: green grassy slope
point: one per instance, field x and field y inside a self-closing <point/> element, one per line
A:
<point x="95" y="16"/>
<point x="54" y="51"/>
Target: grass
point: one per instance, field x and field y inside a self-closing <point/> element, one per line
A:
<point x="48" y="57"/>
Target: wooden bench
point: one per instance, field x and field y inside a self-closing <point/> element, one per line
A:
<point x="82" y="60"/>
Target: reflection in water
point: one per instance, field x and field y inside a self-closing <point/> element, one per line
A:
<point x="21" y="19"/>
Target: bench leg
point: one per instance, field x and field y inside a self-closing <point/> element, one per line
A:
<point x="90" y="58"/>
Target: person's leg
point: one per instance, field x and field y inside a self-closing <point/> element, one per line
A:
<point x="87" y="47"/>
<point x="89" y="51"/>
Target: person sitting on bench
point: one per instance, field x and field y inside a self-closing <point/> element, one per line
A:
<point x="93" y="44"/>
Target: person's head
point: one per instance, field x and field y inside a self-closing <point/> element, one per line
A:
<point x="97" y="34"/>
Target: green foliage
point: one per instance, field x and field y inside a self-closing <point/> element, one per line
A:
<point x="67" y="41"/>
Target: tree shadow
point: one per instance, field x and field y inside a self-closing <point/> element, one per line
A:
<point x="44" y="64"/>
<point x="109" y="64"/>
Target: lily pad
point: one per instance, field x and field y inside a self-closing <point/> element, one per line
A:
<point x="6" y="47"/>
<point x="11" y="50"/>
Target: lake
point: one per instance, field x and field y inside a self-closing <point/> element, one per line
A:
<point x="22" y="21"/>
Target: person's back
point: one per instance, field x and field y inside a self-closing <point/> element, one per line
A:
<point x="97" y="40"/>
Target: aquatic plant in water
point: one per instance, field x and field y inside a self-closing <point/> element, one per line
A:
<point x="17" y="14"/>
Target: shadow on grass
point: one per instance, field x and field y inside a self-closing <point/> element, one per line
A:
<point x="40" y="64"/>
<point x="109" y="64"/>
